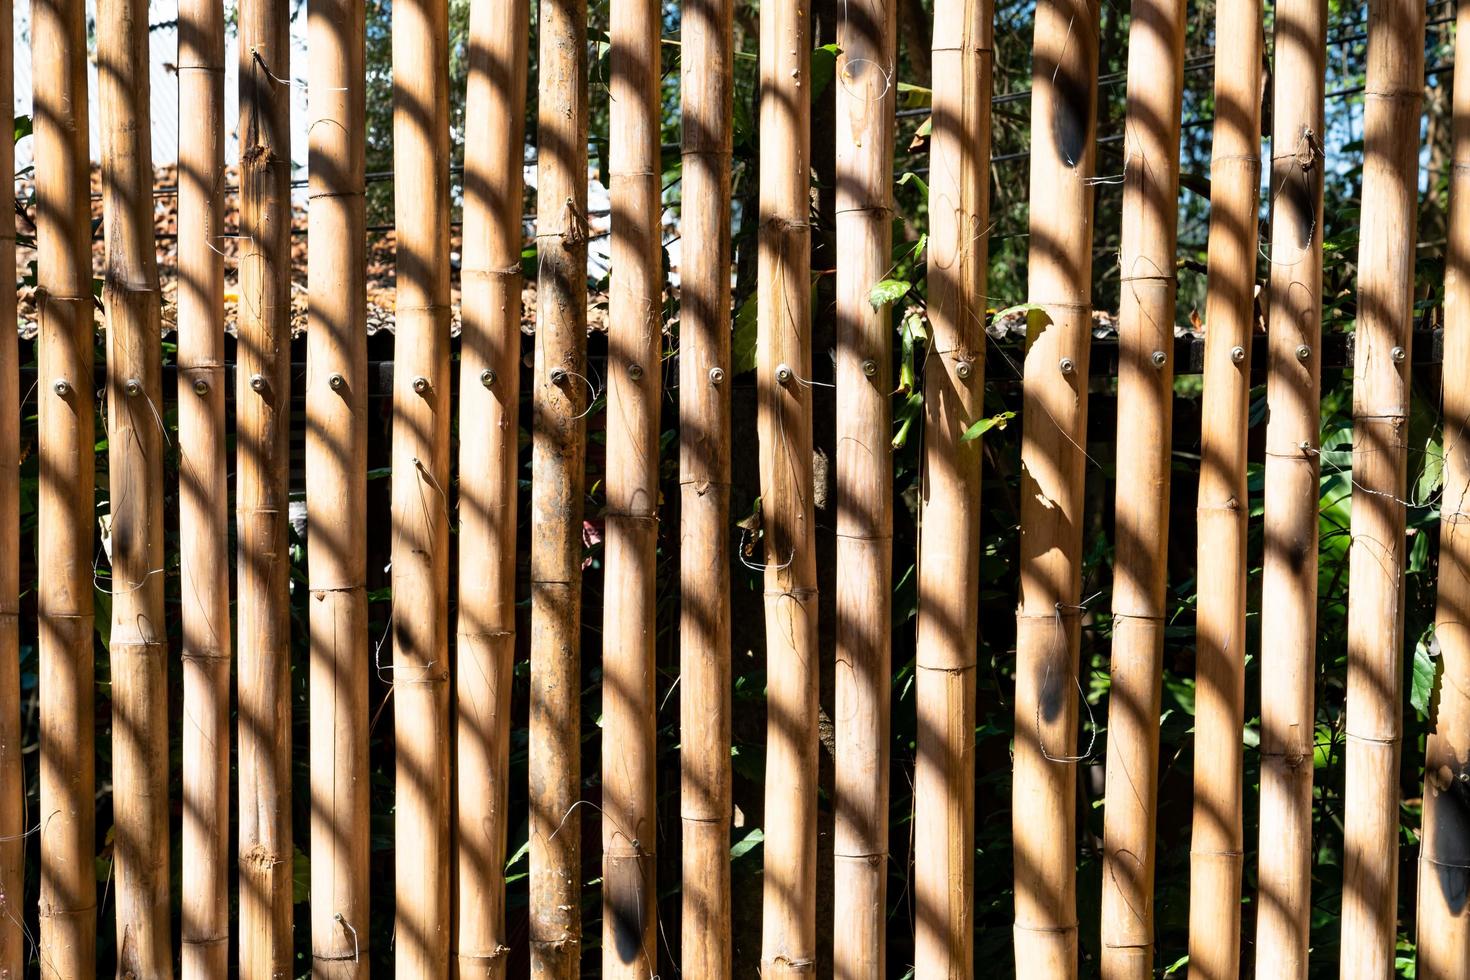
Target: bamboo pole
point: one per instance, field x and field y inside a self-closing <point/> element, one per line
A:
<point x="489" y="413"/>
<point x="706" y="69"/>
<point x="1145" y="403"/>
<point x="629" y="626"/>
<point x="1054" y="431"/>
<point x="336" y="490"/>
<point x="1444" y="846"/>
<point x="65" y="508"/>
<point x="949" y="523"/>
<point x="13" y="951"/>
<point x="421" y="408"/>
<point x="559" y="404"/>
<point x="262" y="467"/>
<point x="1392" y="106"/>
<point x="1216" y="845"/>
<point x="865" y="100"/>
<point x="203" y="495"/>
<point x="139" y="643"/>
<point x="784" y="421"/>
<point x="1289" y="567"/>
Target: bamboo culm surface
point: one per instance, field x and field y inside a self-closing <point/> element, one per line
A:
<point x="13" y="949"/>
<point x="336" y="492"/>
<point x="1291" y="494"/>
<point x="1054" y="429"/>
<point x="489" y="417"/>
<point x="1375" y="627"/>
<point x="65" y="509"/>
<point x="949" y="516"/>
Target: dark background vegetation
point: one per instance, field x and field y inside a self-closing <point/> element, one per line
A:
<point x="995" y="593"/>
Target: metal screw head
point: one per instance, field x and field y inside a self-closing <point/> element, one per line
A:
<point x="1159" y="358"/>
<point x="716" y="375"/>
<point x="61" y="386"/>
<point x="1066" y="365"/>
<point x="558" y="375"/>
<point x="784" y="374"/>
<point x="1398" y="354"/>
<point x="336" y="382"/>
<point x="201" y="387"/>
<point x="963" y="370"/>
<point x="1237" y="354"/>
<point x="133" y="387"/>
<point x="257" y="382"/>
<point x="421" y="384"/>
<point x="487" y="377"/>
<point x="870" y="367"/>
<point x="635" y="371"/>
<point x="1303" y="352"/>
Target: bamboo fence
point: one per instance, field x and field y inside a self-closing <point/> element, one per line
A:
<point x="484" y="571"/>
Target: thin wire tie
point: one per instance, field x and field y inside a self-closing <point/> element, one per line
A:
<point x="342" y="921"/>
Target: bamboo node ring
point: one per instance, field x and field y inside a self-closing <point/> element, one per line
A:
<point x="1237" y="354"/>
<point x="716" y="375"/>
<point x="257" y="382"/>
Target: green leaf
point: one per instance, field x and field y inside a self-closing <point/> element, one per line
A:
<point x="22" y="127"/>
<point x="742" y="345"/>
<point x="1431" y="478"/>
<point x="1425" y="669"/>
<point x="300" y="877"/>
<point x="910" y="177"/>
<point x="887" y="291"/>
<point x="996" y="421"/>
<point x="746" y="844"/>
<point x="823" y="68"/>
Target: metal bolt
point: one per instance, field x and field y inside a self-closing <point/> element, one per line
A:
<point x="61" y="386"/>
<point x="133" y="387"/>
<point x="1066" y="365"/>
<point x="487" y="377"/>
<point x="963" y="370"/>
<point x="1303" y="352"/>
<point x="1398" y="354"/>
<point x="336" y="382"/>
<point x="635" y="371"/>
<point x="201" y="387"/>
<point x="558" y="375"/>
<point x="716" y="375"/>
<point x="421" y="384"/>
<point x="1237" y="354"/>
<point x="870" y="367"/>
<point x="1159" y="358"/>
<point x="257" y="382"/>
<point x="783" y="374"/>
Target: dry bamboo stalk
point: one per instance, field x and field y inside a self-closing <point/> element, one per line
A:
<point x="336" y="488"/>
<point x="1444" y="847"/>
<point x="13" y="951"/>
<point x="1289" y="567"/>
<point x="1392" y="106"/>
<point x="489" y="411"/>
<point x="706" y="62"/>
<point x="203" y="495"/>
<point x="1054" y="420"/>
<point x="65" y="508"/>
<point x="949" y="529"/>
<point x="865" y="100"/>
<point x="784" y="418"/>
<point x="635" y="342"/>
<point x="1235" y="177"/>
<point x="559" y="404"/>
<point x="262" y="467"/>
<point x="1145" y="402"/>
<point x="421" y="408"/>
<point x="139" y="643"/>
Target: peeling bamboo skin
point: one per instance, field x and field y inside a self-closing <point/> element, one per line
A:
<point x="203" y="497"/>
<point x="1054" y="430"/>
<point x="704" y="487"/>
<point x="635" y="343"/>
<point x="1145" y="403"/>
<point x="865" y="99"/>
<point x="420" y="459"/>
<point x="1444" y="848"/>
<point x="1216" y="846"/>
<point x="1289" y="565"/>
<point x="13" y="951"/>
<point x="783" y="416"/>
<point x="488" y="490"/>
<point x="139" y="645"/>
<point x="262" y="478"/>
<point x="1395" y="83"/>
<point x="65" y="509"/>
<point x="949" y="528"/>
<point x="559" y="402"/>
<point x="336" y="490"/>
